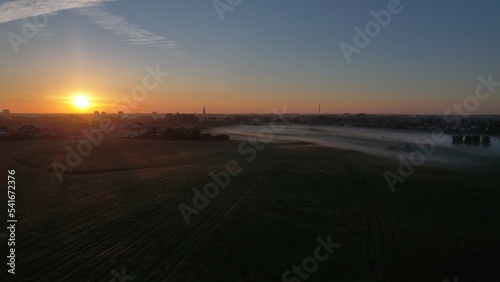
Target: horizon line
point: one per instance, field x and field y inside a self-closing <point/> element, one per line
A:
<point x="252" y="113"/>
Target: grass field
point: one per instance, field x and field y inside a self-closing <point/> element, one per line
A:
<point x="120" y="208"/>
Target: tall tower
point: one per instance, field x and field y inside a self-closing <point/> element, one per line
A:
<point x="204" y="112"/>
<point x="319" y="109"/>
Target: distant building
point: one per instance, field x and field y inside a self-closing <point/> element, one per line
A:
<point x="5" y="112"/>
<point x="204" y="112"/>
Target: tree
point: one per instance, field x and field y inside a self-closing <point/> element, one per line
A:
<point x="179" y="134"/>
<point x="154" y="130"/>
<point x="170" y="119"/>
<point x="169" y="133"/>
<point x="206" y="136"/>
<point x="476" y="140"/>
<point x="486" y="142"/>
<point x="194" y="133"/>
<point x="188" y="119"/>
<point x="457" y="139"/>
<point x="468" y="140"/>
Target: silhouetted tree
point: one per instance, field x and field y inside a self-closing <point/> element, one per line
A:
<point x="220" y="137"/>
<point x="486" y="142"/>
<point x="457" y="139"/>
<point x="154" y="130"/>
<point x="188" y="119"/>
<point x="170" y="119"/>
<point x="206" y="136"/>
<point x="169" y="133"/>
<point x="194" y="133"/>
<point x="179" y="134"/>
<point x="468" y="140"/>
<point x="476" y="140"/>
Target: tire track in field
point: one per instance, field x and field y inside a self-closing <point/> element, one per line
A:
<point x="60" y="220"/>
<point x="95" y="171"/>
<point x="185" y="238"/>
<point x="17" y="148"/>
<point x="114" y="248"/>
<point x="380" y="233"/>
<point x="203" y="223"/>
<point x="113" y="231"/>
<point x="238" y="197"/>
<point x="75" y="197"/>
<point x="198" y="233"/>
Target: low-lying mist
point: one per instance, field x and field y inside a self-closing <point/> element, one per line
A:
<point x="380" y="142"/>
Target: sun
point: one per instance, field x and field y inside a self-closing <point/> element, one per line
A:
<point x="81" y="101"/>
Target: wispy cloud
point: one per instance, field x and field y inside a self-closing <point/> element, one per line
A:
<point x="21" y="9"/>
<point x="128" y="32"/>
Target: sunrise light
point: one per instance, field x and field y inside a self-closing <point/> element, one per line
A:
<point x="81" y="101"/>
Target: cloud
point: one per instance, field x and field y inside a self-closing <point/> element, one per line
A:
<point x="128" y="32"/>
<point x="21" y="9"/>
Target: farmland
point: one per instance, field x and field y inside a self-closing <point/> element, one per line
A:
<point x="119" y="209"/>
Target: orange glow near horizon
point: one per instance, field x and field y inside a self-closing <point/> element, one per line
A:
<point x="170" y="98"/>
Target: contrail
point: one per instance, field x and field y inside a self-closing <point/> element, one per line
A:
<point x="122" y="28"/>
<point x="21" y="9"/>
<point x="130" y="33"/>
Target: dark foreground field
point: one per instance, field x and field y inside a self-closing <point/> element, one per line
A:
<point x="117" y="217"/>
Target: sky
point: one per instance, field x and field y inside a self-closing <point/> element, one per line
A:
<point x="248" y="56"/>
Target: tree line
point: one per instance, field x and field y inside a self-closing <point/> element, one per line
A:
<point x="182" y="133"/>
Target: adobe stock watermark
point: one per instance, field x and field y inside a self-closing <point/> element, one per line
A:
<point x="121" y="277"/>
<point x="223" y="6"/>
<point x="94" y="138"/>
<point x="31" y="28"/>
<point x="222" y="178"/>
<point x="311" y="264"/>
<point x="363" y="38"/>
<point x="427" y="147"/>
